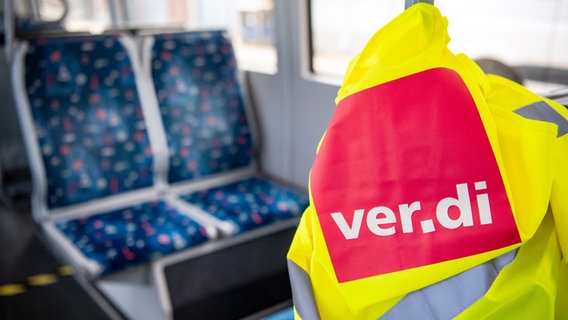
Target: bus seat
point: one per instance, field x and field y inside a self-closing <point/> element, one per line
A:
<point x="88" y="118"/>
<point x="132" y="165"/>
<point x="93" y="164"/>
<point x="210" y="133"/>
<point x="249" y="203"/>
<point x="138" y="233"/>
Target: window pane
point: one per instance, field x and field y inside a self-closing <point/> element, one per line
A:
<point x="152" y="13"/>
<point x="249" y="22"/>
<point x="44" y="15"/>
<point x="340" y="29"/>
<point x="93" y="16"/>
<point x="531" y="36"/>
<point x="51" y="10"/>
<point x="251" y="25"/>
<point x="528" y="35"/>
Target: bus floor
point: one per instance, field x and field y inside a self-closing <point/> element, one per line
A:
<point x="33" y="283"/>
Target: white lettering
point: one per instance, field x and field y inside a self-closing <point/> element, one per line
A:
<point x="381" y="220"/>
<point x="483" y="203"/>
<point x="462" y="203"/>
<point x="374" y="222"/>
<point x="349" y="232"/>
<point x="406" y="212"/>
<point x="427" y="226"/>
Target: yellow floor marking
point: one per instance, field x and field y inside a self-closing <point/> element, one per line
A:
<point x="11" y="289"/>
<point x="65" y="271"/>
<point x="42" y="279"/>
<point x="38" y="280"/>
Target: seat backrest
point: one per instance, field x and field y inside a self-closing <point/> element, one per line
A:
<point x="87" y="116"/>
<point x="196" y="81"/>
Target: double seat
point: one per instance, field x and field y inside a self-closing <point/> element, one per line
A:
<point x="142" y="148"/>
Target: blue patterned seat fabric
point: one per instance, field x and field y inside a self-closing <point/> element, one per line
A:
<point x="133" y="235"/>
<point x="195" y="79"/>
<point x="250" y="203"/>
<point x="93" y="142"/>
<point x="88" y="118"/>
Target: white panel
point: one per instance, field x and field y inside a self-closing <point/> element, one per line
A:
<point x="560" y="40"/>
<point x="293" y="110"/>
<point x="270" y="103"/>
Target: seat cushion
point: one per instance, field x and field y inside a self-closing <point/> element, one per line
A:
<point x="88" y="118"/>
<point x="201" y="104"/>
<point x="133" y="235"/>
<point x="249" y="203"/>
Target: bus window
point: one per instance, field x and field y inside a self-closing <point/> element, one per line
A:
<point x="250" y="23"/>
<point x="526" y="35"/>
<point x="340" y="29"/>
<point x="92" y="16"/>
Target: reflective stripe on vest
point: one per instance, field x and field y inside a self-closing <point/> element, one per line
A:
<point x="446" y="299"/>
<point x="303" y="295"/>
<point x="544" y="112"/>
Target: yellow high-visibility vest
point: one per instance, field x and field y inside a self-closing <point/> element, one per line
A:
<point x="428" y="172"/>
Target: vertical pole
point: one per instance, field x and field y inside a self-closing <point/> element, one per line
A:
<point x="8" y="30"/>
<point x="118" y="13"/>
<point x="409" y="3"/>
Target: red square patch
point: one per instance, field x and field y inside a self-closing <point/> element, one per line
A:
<point x="406" y="177"/>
